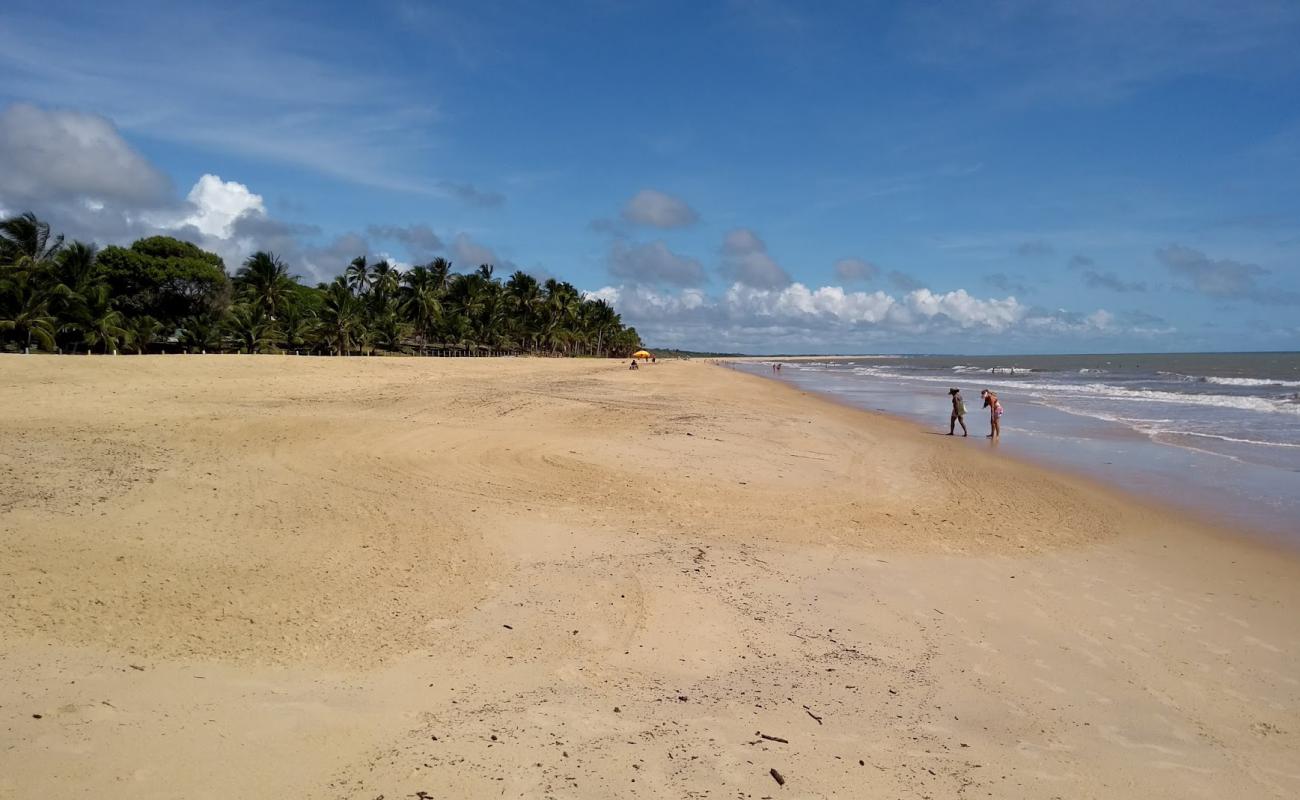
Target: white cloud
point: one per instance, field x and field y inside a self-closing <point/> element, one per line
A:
<point x="656" y="209"/>
<point x="68" y="156"/>
<point x="830" y="317"/>
<point x="216" y="204"/>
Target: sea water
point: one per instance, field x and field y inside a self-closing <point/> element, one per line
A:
<point x="1219" y="432"/>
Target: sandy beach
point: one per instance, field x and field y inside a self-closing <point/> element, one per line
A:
<point x="264" y="577"/>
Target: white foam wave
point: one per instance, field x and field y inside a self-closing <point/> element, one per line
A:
<point x="1248" y="381"/>
<point x="1285" y="405"/>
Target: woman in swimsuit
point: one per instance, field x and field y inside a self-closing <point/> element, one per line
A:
<point x="995" y="414"/>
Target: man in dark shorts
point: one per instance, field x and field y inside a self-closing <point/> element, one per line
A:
<point x="958" y="413"/>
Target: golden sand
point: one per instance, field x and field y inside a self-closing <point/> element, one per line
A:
<point x="250" y="577"/>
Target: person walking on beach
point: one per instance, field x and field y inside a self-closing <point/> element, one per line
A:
<point x="995" y="414"/>
<point x="958" y="413"/>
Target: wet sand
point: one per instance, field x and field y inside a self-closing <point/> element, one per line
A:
<point x="266" y="576"/>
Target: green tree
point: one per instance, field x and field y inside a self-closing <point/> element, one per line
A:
<point x="251" y="328"/>
<point x="141" y="332"/>
<point x="200" y="334"/>
<point x="25" y="311"/>
<point x="98" y="324"/>
<point x="341" y="323"/>
<point x="357" y="276"/>
<point x="26" y="242"/>
<point x="421" y="301"/>
<point x="164" y="278"/>
<point x="265" y="283"/>
<point x="523" y="297"/>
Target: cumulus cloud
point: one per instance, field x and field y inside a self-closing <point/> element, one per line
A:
<point x="214" y="205"/>
<point x="1109" y="280"/>
<point x="69" y="156"/>
<point x="659" y="210"/>
<point x="76" y="171"/>
<point x="745" y="260"/>
<point x="855" y="270"/>
<point x="653" y="263"/>
<point x="1221" y="278"/>
<point x="750" y="318"/>
<point x="420" y="241"/>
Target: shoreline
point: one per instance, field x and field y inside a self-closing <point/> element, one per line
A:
<point x="539" y="577"/>
<point x="1224" y="522"/>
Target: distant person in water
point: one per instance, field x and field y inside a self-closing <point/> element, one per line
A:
<point x="958" y="413"/>
<point x="995" y="414"/>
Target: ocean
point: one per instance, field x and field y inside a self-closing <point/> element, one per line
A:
<point x="1219" y="432"/>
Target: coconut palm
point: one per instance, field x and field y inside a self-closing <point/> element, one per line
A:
<point x="296" y="326"/>
<point x="384" y="280"/>
<point x="523" y="296"/>
<point x="357" y="275"/>
<point x="25" y="242"/>
<point x="25" y="311"/>
<point x="95" y="319"/>
<point x="200" y="334"/>
<point x="252" y="329"/>
<point x="141" y="331"/>
<point x="599" y="320"/>
<point x="264" y="281"/>
<point x="440" y="268"/>
<point x="74" y="266"/>
<point x="340" y="318"/>
<point x="420" y="301"/>
<point x="390" y="331"/>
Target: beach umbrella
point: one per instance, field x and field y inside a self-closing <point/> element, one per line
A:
<point x="641" y="354"/>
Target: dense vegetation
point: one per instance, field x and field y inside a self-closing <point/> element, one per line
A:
<point x="165" y="294"/>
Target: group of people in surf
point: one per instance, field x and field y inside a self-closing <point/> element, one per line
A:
<point x="959" y="413"/>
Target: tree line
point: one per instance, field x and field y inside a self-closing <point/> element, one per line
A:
<point x="165" y="294"/>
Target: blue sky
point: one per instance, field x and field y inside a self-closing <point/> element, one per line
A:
<point x="759" y="176"/>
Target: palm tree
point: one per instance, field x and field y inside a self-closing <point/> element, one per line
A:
<point x="420" y="301"/>
<point x="523" y="295"/>
<point x="74" y="267"/>
<point x="251" y="327"/>
<point x="358" y="275"/>
<point x="200" y="334"/>
<point x="440" y="268"/>
<point x="559" y="309"/>
<point x="391" y="331"/>
<point x="384" y="280"/>
<point x="25" y="242"/>
<point x="99" y="324"/>
<point x="340" y="317"/>
<point x="599" y="320"/>
<point x="264" y="281"/>
<point x="296" y="325"/>
<point x="141" y="331"/>
<point x="25" y="310"/>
